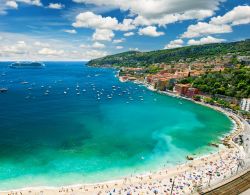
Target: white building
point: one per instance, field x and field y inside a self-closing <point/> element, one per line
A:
<point x="245" y="104"/>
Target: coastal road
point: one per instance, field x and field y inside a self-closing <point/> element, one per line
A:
<point x="235" y="187"/>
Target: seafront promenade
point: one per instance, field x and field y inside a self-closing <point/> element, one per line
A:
<point x="194" y="177"/>
<point x="237" y="186"/>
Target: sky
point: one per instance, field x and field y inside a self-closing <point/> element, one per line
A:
<point x="86" y="29"/>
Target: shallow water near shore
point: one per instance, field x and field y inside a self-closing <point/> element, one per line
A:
<point x="68" y="124"/>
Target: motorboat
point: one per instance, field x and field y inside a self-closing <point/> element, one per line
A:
<point x="2" y="90"/>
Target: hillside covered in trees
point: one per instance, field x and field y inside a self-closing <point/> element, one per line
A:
<point x="233" y="82"/>
<point x="189" y="53"/>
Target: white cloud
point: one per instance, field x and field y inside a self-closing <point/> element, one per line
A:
<point x="104" y="26"/>
<point x="19" y="47"/>
<point x="203" y="28"/>
<point x="126" y="25"/>
<point x="119" y="47"/>
<point x="103" y="35"/>
<point x="174" y="44"/>
<point x="95" y="45"/>
<point x="91" y="20"/>
<point x="92" y="54"/>
<point x="84" y="46"/>
<point x="118" y="40"/>
<point x="128" y="34"/>
<point x="30" y="2"/>
<point x="159" y="8"/>
<point x="172" y="18"/>
<point x="161" y="12"/>
<point x="150" y="31"/>
<point x="15" y="46"/>
<point x="49" y="51"/>
<point x="56" y="6"/>
<point x="12" y="4"/>
<point x="94" y="21"/>
<point x="98" y="45"/>
<point x="220" y="24"/>
<point x="38" y="43"/>
<point x="73" y="31"/>
<point x="148" y="13"/>
<point x="205" y="40"/>
<point x="239" y="15"/>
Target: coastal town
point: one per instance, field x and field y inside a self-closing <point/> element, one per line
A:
<point x="167" y="78"/>
<point x="124" y="97"/>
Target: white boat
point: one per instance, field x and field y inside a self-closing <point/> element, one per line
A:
<point x="2" y="90"/>
<point x="24" y="82"/>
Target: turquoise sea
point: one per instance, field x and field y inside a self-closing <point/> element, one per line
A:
<point x="55" y="131"/>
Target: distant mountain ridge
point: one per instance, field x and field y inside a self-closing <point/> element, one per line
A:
<point x="188" y="53"/>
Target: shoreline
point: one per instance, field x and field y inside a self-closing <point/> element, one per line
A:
<point x="95" y="188"/>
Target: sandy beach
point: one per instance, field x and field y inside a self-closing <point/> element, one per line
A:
<point x="196" y="175"/>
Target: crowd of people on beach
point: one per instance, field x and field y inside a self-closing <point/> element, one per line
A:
<point x="186" y="179"/>
<point x="194" y="179"/>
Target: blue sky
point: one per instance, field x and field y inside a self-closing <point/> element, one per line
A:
<point x="87" y="29"/>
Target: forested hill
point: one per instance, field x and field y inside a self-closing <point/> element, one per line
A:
<point x="135" y="58"/>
